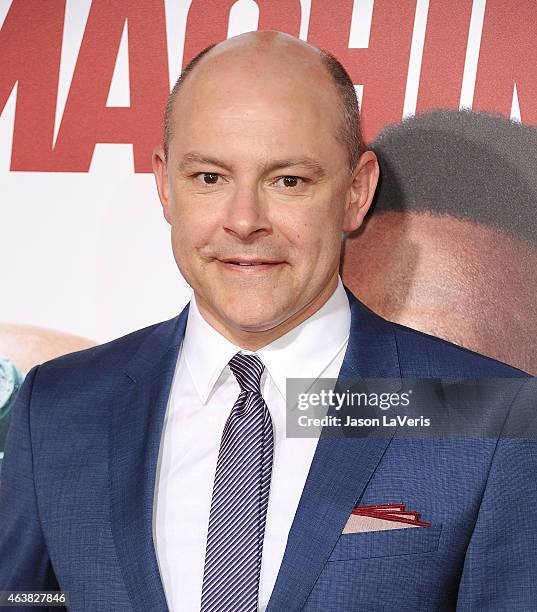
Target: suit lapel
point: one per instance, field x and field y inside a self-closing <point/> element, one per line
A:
<point x="136" y="427"/>
<point x="340" y="470"/>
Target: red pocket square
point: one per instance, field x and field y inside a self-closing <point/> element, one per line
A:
<point x="382" y="517"/>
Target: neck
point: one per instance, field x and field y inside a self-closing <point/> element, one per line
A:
<point x="252" y="340"/>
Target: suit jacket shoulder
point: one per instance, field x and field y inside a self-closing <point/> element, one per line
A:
<point x="444" y="358"/>
<point x="100" y="365"/>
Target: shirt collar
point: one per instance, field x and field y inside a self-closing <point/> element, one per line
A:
<point x="303" y="352"/>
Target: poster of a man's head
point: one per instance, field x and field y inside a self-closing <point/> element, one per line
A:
<point x="450" y="245"/>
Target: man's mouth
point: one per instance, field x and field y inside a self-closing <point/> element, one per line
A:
<point x="250" y="263"/>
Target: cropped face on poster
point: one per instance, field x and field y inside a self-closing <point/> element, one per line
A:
<point x="450" y="247"/>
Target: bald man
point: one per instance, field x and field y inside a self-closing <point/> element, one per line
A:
<point x="169" y="470"/>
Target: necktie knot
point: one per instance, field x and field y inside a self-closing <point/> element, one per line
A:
<point x="247" y="370"/>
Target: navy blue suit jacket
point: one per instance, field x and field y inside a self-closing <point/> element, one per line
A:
<point x="78" y="480"/>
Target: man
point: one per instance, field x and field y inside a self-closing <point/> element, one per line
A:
<point x="154" y="472"/>
<point x="452" y="241"/>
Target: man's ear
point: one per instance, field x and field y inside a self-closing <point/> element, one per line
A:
<point x="361" y="191"/>
<point x="160" y="170"/>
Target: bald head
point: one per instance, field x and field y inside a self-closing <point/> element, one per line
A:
<point x="265" y="58"/>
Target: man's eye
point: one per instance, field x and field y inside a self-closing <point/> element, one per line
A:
<point x="208" y="178"/>
<point x="289" y="181"/>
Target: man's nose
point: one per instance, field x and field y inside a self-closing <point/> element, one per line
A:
<point x="246" y="214"/>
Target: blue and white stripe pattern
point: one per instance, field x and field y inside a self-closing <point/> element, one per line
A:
<point x="240" y="497"/>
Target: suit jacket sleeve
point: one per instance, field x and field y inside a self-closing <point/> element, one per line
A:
<point x="500" y="568"/>
<point x="24" y="560"/>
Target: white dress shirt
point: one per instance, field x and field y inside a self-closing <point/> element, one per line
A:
<point x="203" y="393"/>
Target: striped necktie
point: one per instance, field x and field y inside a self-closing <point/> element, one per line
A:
<point x="240" y="497"/>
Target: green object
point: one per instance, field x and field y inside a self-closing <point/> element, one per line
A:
<point x="11" y="379"/>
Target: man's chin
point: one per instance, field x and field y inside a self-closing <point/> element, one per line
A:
<point x="233" y="313"/>
<point x="251" y="323"/>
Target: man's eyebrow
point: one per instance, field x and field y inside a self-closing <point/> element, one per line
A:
<point x="305" y="162"/>
<point x="193" y="157"/>
<point x="309" y="163"/>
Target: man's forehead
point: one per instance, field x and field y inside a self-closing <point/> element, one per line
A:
<point x="263" y="85"/>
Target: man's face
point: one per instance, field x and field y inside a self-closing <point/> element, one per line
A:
<point x="255" y="175"/>
<point x="455" y="279"/>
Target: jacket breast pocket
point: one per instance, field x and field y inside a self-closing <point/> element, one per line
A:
<point x="389" y="543"/>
